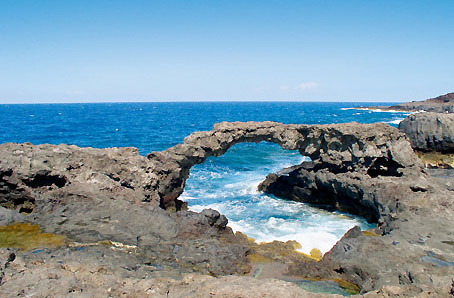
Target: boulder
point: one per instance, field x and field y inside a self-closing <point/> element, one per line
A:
<point x="430" y="131"/>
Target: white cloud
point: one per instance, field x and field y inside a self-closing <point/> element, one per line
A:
<point x="307" y="86"/>
<point x="283" y="87"/>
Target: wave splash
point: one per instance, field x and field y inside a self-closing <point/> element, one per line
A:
<point x="229" y="184"/>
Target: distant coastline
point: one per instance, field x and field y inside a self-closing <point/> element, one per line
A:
<point x="440" y="104"/>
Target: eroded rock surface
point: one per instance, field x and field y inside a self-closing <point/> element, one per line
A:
<point x="56" y="278"/>
<point x="340" y="147"/>
<point x="413" y="212"/>
<point x="95" y="195"/>
<point x="117" y="210"/>
<point x="430" y="131"/>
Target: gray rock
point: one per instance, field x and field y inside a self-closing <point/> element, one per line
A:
<point x="357" y="147"/>
<point x="100" y="195"/>
<point x="413" y="212"/>
<point x="8" y="216"/>
<point x="117" y="209"/>
<point x="430" y="131"/>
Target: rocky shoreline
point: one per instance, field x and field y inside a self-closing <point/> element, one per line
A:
<point x="127" y="233"/>
<point x="440" y="104"/>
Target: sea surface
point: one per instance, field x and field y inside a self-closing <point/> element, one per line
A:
<point x="227" y="183"/>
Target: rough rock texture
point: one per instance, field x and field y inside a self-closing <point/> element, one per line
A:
<point x="55" y="278"/>
<point x="372" y="147"/>
<point x="414" y="214"/>
<point x="8" y="216"/>
<point x="91" y="195"/>
<point x="430" y="131"/>
<point x="115" y="208"/>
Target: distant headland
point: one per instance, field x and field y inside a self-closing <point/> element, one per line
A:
<point x="439" y="104"/>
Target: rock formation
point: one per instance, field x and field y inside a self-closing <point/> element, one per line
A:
<point x="352" y="146"/>
<point x="430" y="131"/>
<point x="117" y="211"/>
<point x="439" y="104"/>
<point x="398" y="196"/>
<point x="98" y="195"/>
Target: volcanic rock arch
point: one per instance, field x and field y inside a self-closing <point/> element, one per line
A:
<point x="341" y="154"/>
<point x="114" y="194"/>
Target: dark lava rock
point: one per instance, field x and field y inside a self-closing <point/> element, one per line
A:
<point x="122" y="217"/>
<point x="430" y="131"/>
<point x="375" y="148"/>
<point x="99" y="196"/>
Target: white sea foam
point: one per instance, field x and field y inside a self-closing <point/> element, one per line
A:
<point x="396" y="121"/>
<point x="382" y="111"/>
<point x="185" y="197"/>
<point x="233" y="192"/>
<point x="322" y="236"/>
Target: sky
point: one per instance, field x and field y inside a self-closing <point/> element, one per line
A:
<point x="110" y="51"/>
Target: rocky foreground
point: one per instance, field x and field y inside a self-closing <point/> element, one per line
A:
<point x="112" y="224"/>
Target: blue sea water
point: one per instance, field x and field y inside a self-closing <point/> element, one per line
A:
<point x="227" y="183"/>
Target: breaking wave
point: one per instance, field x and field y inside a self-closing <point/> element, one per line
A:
<point x="229" y="184"/>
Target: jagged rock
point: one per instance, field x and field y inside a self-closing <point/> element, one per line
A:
<point x="430" y="131"/>
<point x="116" y="209"/>
<point x="350" y="146"/>
<point x="410" y="207"/>
<point x="95" y="195"/>
<point x="95" y="279"/>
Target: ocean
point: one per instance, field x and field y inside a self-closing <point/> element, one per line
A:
<point x="226" y="183"/>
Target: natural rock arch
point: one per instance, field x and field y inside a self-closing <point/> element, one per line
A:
<point x="366" y="149"/>
<point x="114" y="193"/>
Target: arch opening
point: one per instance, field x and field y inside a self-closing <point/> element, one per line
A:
<point x="228" y="183"/>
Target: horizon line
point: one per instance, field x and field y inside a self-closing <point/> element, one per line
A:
<point x="196" y="101"/>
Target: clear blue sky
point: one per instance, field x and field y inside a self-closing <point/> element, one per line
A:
<point x="364" y="50"/>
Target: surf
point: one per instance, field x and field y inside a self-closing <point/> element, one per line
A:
<point x="229" y="183"/>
